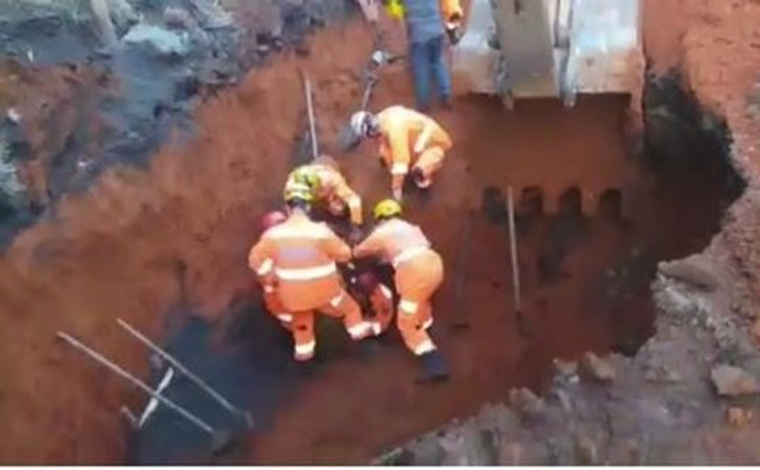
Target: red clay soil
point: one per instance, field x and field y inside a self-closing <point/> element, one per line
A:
<point x="52" y="102"/>
<point x="717" y="45"/>
<point x="113" y="252"/>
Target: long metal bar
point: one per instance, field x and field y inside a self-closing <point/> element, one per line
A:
<point x="178" y="365"/>
<point x="137" y="382"/>
<point x="312" y="123"/>
<point x="513" y="250"/>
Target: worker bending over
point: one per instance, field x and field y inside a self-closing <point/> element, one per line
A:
<point x="328" y="187"/>
<point x="418" y="274"/>
<point x="301" y="257"/>
<point x="408" y="140"/>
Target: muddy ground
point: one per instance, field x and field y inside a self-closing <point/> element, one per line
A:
<point x="160" y="244"/>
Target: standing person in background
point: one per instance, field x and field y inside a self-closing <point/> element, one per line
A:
<point x="425" y="32"/>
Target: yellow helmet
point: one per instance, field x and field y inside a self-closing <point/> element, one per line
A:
<point x="387" y="208"/>
<point x="395" y="9"/>
<point x="308" y="176"/>
<point x="298" y="191"/>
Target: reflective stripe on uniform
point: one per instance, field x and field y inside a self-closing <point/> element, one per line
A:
<point x="408" y="254"/>
<point x="265" y="267"/>
<point x="306" y="349"/>
<point x="427" y="324"/>
<point x="377" y="328"/>
<point x="281" y="232"/>
<point x="360" y="330"/>
<point x="387" y="293"/>
<point x="286" y="317"/>
<point x="268" y="289"/>
<point x="408" y="307"/>
<point x="306" y="274"/>
<point x="399" y="169"/>
<point x="354" y="202"/>
<point x="335" y="301"/>
<point x="424" y="347"/>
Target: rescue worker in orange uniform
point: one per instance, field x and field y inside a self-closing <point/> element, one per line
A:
<point x="300" y="255"/>
<point x="409" y="142"/>
<point x="271" y="299"/>
<point x="328" y="187"/>
<point x="452" y="16"/>
<point x="418" y="274"/>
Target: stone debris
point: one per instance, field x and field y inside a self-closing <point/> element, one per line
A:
<point x="161" y="40"/>
<point x="586" y="450"/>
<point x="689" y="272"/>
<point x="756" y="330"/>
<point x="597" y="368"/>
<point x="526" y="402"/>
<point x="732" y="381"/>
<point x="739" y="417"/>
<point x="511" y="453"/>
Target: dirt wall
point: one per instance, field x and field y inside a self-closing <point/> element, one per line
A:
<point x="114" y="253"/>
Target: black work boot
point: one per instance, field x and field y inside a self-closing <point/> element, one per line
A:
<point x="434" y="367"/>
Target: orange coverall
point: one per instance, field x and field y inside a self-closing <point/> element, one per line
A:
<point x="411" y="139"/>
<point x="419" y="273"/>
<point x="299" y="255"/>
<point x="451" y="9"/>
<point x="334" y="192"/>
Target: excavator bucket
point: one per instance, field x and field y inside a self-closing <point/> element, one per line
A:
<point x="549" y="48"/>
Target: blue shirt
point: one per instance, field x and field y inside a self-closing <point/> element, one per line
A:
<point x="423" y="20"/>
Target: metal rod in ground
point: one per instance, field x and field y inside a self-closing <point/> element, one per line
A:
<point x="513" y="250"/>
<point x="522" y="327"/>
<point x="174" y="362"/>
<point x="137" y="382"/>
<point x="312" y="124"/>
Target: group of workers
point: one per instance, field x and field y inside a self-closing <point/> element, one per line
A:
<point x="299" y="260"/>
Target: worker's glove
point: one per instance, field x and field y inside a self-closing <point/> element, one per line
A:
<point x="455" y="34"/>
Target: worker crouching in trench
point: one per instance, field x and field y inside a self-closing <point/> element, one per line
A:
<point x="296" y="262"/>
<point x="409" y="263"/>
<point x="418" y="275"/>
<point x="408" y="143"/>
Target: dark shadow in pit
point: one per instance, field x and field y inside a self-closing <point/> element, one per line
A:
<point x="251" y="369"/>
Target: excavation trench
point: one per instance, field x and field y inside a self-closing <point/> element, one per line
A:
<point x="592" y="224"/>
<point x="593" y="221"/>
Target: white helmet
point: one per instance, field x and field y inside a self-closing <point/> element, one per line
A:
<point x="363" y="123"/>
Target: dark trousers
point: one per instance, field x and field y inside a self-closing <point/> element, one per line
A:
<point x="428" y="63"/>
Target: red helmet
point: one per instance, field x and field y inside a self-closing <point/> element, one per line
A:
<point x="271" y="219"/>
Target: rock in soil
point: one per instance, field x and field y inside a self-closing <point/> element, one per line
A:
<point x="756" y="330"/>
<point x="732" y="381"/>
<point x="526" y="402"/>
<point x="510" y="454"/>
<point x="597" y="368"/>
<point x="739" y="417"/>
<point x="586" y="451"/>
<point x="687" y="271"/>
